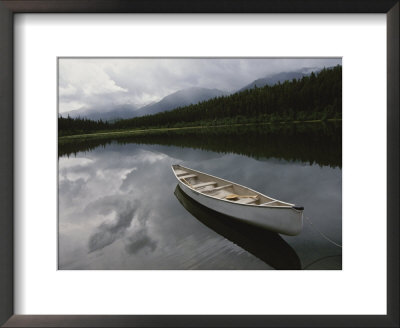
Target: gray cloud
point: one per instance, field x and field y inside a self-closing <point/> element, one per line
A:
<point x="104" y="84"/>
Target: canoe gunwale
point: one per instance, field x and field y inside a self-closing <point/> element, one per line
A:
<point x="289" y="205"/>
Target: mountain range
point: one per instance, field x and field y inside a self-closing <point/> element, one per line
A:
<point x="274" y="79"/>
<point x="181" y="98"/>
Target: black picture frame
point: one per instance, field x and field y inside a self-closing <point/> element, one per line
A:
<point x="10" y="7"/>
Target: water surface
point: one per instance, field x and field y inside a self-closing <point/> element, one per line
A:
<point x="120" y="208"/>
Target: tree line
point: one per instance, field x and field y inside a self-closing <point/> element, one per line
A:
<point x="69" y="126"/>
<point x="313" y="97"/>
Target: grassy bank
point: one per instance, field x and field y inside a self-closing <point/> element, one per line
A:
<point x="151" y="131"/>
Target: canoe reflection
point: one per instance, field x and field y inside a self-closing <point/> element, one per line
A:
<point x="268" y="246"/>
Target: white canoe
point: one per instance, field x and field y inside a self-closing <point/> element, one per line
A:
<point x="240" y="202"/>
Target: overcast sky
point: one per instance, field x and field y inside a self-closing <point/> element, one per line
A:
<point x="102" y="84"/>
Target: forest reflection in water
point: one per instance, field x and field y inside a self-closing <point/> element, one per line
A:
<point x="119" y="207"/>
<point x="319" y="143"/>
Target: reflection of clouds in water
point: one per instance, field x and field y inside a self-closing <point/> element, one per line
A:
<point x="74" y="162"/>
<point x="74" y="168"/>
<point x="125" y="213"/>
<point x="140" y="241"/>
<point x="107" y="233"/>
<point x="72" y="187"/>
<point x="188" y="155"/>
<point x="118" y="198"/>
<point x="131" y="207"/>
<point x="130" y="222"/>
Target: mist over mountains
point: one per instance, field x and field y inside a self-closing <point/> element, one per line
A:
<point x="117" y="112"/>
<point x="181" y="98"/>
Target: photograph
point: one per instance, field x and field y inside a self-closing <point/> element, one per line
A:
<point x="199" y="163"/>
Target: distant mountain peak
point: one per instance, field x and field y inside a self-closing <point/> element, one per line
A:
<point x="280" y="77"/>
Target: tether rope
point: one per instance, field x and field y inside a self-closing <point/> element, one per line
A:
<point x="322" y="234"/>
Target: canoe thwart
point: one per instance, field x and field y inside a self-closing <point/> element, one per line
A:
<point x="218" y="188"/>
<point x="204" y="184"/>
<point x="180" y="172"/>
<point x="188" y="176"/>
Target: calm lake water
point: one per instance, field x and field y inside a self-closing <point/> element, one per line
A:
<point x="120" y="208"/>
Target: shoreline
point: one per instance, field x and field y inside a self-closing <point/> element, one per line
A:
<point x="127" y="133"/>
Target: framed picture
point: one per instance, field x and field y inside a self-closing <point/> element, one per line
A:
<point x="152" y="123"/>
<point x="151" y="190"/>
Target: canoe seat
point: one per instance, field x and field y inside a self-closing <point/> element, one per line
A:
<point x="246" y="200"/>
<point x="188" y="176"/>
<point x="220" y="193"/>
<point x="218" y="188"/>
<point x="180" y="172"/>
<point x="204" y="184"/>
